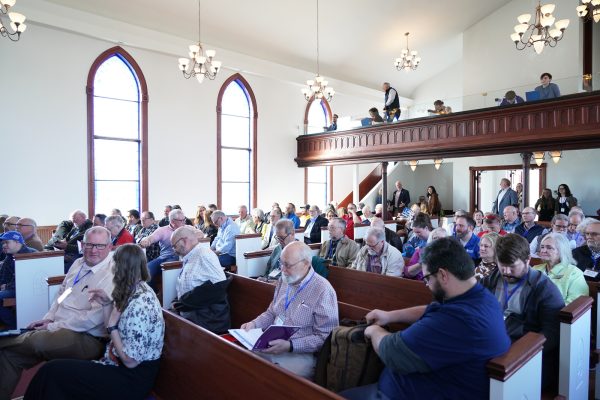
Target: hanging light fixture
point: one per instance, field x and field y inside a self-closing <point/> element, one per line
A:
<point x="201" y="63"/>
<point x="540" y="33"/>
<point x="555" y="155"/>
<point x="438" y="162"/>
<point x="413" y="164"/>
<point x="538" y="156"/>
<point x="17" y="20"/>
<point x="590" y="9"/>
<point x="408" y="60"/>
<point x="317" y="88"/>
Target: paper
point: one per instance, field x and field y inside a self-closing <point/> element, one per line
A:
<point x="591" y="273"/>
<point x="14" y="332"/>
<point x="256" y="339"/>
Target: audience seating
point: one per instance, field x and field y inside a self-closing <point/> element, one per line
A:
<point x="244" y="244"/>
<point x="45" y="232"/>
<point x="299" y="234"/>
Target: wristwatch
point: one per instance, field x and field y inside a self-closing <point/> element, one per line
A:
<point x="112" y="328"/>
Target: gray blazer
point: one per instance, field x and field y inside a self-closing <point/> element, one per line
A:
<point x="510" y="199"/>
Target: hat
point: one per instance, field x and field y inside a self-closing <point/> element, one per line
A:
<point x="13" y="235"/>
<point x="492" y="218"/>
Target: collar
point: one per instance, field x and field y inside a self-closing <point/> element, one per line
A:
<point x="556" y="270"/>
<point x="98" y="266"/>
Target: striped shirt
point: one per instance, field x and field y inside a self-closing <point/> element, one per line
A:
<point x="201" y="264"/>
<point x="314" y="309"/>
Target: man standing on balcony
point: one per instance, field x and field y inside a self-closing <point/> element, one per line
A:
<point x="391" y="107"/>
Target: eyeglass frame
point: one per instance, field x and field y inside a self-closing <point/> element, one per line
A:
<point x="98" y="246"/>
<point x="426" y="277"/>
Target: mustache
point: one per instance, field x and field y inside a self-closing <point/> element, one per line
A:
<point x="509" y="277"/>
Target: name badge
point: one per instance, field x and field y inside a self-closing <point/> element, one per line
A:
<point x="591" y="273"/>
<point x="64" y="295"/>
<point x="279" y="320"/>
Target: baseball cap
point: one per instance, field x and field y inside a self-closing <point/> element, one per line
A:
<point x="13" y="235"/>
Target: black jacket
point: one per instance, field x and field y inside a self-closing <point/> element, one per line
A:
<point x="76" y="235"/>
<point x="315" y="233"/>
<point x="583" y="256"/>
<point x="403" y="198"/>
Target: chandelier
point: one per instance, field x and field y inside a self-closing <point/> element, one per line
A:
<point x="317" y="88"/>
<point x="555" y="155"/>
<point x="201" y="63"/>
<point x="540" y="33"/>
<point x="16" y="21"/>
<point x="589" y="9"/>
<point x="408" y="59"/>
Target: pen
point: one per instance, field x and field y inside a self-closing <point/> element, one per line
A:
<point x="83" y="288"/>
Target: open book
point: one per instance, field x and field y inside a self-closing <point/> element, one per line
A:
<point x="256" y="339"/>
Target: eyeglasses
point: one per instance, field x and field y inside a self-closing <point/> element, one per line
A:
<point x="561" y="227"/>
<point x="375" y="245"/>
<point x="90" y="246"/>
<point x="592" y="234"/>
<point x="10" y="224"/>
<point x="426" y="278"/>
<point x="178" y="220"/>
<point x="23" y="225"/>
<point x="177" y="242"/>
<point x="287" y="265"/>
<point x="281" y="239"/>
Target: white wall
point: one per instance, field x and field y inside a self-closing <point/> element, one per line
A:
<point x="448" y="87"/>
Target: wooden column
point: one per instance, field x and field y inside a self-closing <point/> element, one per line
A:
<point x="526" y="168"/>
<point x="384" y="213"/>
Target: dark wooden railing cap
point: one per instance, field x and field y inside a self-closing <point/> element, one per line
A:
<point x="257" y="254"/>
<point x="171" y="265"/>
<point x="390" y="221"/>
<point x="299" y="230"/>
<point x="314" y="246"/>
<point x="575" y="309"/>
<point x="248" y="236"/>
<point x="55" y="280"/>
<point x="39" y="254"/>
<point x="324" y="228"/>
<point x="503" y="367"/>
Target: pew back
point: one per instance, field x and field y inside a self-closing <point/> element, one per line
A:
<point x="244" y="244"/>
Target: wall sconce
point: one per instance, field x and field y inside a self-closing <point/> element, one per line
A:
<point x="413" y="164"/>
<point x="538" y="156"/>
<point x="556" y="155"/>
<point x="437" y="162"/>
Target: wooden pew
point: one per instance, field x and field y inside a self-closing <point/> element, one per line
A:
<point x="31" y="271"/>
<point x="244" y="244"/>
<point x="298" y="234"/>
<point x="196" y="363"/>
<point x="324" y="234"/>
<point x="360" y="230"/>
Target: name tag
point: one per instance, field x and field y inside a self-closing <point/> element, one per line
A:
<point x="591" y="273"/>
<point x="64" y="295"/>
<point x="279" y="320"/>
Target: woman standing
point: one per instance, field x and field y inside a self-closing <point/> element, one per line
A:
<point x="136" y="330"/>
<point x="433" y="202"/>
<point x="519" y="190"/>
<point x="564" y="200"/>
<point x="545" y="206"/>
<point x="487" y="252"/>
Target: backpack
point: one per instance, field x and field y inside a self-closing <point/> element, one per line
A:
<point x="346" y="359"/>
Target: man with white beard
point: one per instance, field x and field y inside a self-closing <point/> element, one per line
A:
<point x="302" y="298"/>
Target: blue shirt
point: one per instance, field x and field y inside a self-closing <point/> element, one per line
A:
<point x="472" y="247"/>
<point x="225" y="240"/>
<point x="510" y="227"/>
<point x="294" y="218"/>
<point x="455" y="339"/>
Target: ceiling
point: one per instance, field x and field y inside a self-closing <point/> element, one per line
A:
<point x="359" y="39"/>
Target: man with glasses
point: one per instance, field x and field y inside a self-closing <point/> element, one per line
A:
<point x="575" y="218"/>
<point x="340" y="250"/>
<point x="162" y="236"/>
<point x="444" y="351"/>
<point x="284" y="234"/>
<point x="529" y="299"/>
<point x="269" y="241"/>
<point x="74" y="327"/>
<point x="224" y="243"/>
<point x="201" y="285"/>
<point x="559" y="224"/>
<point x="529" y="229"/>
<point x="149" y="225"/>
<point x="302" y="298"/>
<point x="378" y="256"/>
<point x="312" y="229"/>
<point x="28" y="228"/>
<point x="588" y="255"/>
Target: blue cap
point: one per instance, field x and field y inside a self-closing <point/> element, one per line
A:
<point x="13" y="235"/>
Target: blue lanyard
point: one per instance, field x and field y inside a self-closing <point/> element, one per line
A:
<point x="332" y="248"/>
<point x="77" y="278"/>
<point x="288" y="301"/>
<point x="507" y="294"/>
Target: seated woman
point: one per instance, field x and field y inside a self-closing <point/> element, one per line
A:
<point x="560" y="266"/>
<point x="375" y="117"/>
<point x="209" y="228"/>
<point x="119" y="234"/>
<point x="259" y="226"/>
<point x="547" y="89"/>
<point x="412" y="270"/>
<point x="342" y="212"/>
<point x="487" y="252"/>
<point x="199" y="219"/>
<point x="439" y="108"/>
<point x="136" y="330"/>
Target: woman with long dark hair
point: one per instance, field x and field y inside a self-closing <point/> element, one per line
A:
<point x="135" y="327"/>
<point x="564" y="200"/>
<point x="545" y="206"/>
<point x="433" y="202"/>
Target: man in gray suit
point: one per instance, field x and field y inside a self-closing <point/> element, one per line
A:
<point x="506" y="197"/>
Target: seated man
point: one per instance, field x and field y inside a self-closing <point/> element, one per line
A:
<point x="149" y="225"/>
<point x="529" y="229"/>
<point x="311" y="305"/>
<point x="575" y="219"/>
<point x="74" y="327"/>
<point x="201" y="285"/>
<point x="439" y="108"/>
<point x="463" y="227"/>
<point x="284" y="234"/>
<point x="12" y="243"/>
<point x="391" y="236"/>
<point x="165" y="220"/>
<point x="224" y="243"/>
<point x="492" y="223"/>
<point x="244" y="220"/>
<point x="312" y="230"/>
<point x="378" y="256"/>
<point x="511" y="219"/>
<point x="69" y="244"/>
<point x="162" y="236"/>
<point x="99" y="220"/>
<point x="528" y="298"/>
<point x="134" y="224"/>
<point x="120" y="235"/>
<point x="60" y="233"/>
<point x="444" y="352"/>
<point x="269" y="240"/>
<point x="588" y="255"/>
<point x="290" y="213"/>
<point x="340" y="249"/>
<point x="511" y="98"/>
<point x="28" y="229"/>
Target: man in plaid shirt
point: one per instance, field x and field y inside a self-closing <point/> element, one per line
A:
<point x="149" y="225"/>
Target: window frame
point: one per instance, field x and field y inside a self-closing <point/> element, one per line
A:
<point x="253" y="142"/>
<point x="328" y="116"/>
<point x="143" y="192"/>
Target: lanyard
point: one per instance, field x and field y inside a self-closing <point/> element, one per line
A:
<point x="332" y="248"/>
<point x="77" y="278"/>
<point x="507" y="294"/>
<point x="288" y="301"/>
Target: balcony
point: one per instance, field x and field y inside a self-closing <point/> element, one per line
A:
<point x="567" y="123"/>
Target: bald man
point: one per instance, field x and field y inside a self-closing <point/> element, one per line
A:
<point x="511" y="219"/>
<point x="28" y="228"/>
<point x="201" y="285"/>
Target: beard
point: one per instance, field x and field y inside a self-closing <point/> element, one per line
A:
<point x="438" y="293"/>
<point x="290" y="279"/>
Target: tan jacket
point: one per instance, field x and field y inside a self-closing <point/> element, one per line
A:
<point x="345" y="253"/>
<point x="392" y="262"/>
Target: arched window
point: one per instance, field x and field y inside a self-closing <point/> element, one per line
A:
<point x="236" y="145"/>
<point x="117" y="108"/>
<point x="317" y="180"/>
